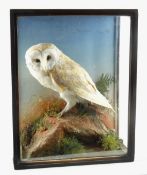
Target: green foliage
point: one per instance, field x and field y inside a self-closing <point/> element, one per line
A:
<point x="70" y="145"/>
<point x="37" y="124"/>
<point x="111" y="141"/>
<point x="103" y="83"/>
<point x="40" y="124"/>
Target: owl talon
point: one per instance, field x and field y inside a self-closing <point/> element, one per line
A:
<point x="59" y="115"/>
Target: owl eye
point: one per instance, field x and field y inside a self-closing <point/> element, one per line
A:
<point x="37" y="60"/>
<point x="49" y="57"/>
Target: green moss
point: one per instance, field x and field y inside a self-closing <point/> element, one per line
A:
<point x="70" y="145"/>
<point x="111" y="141"/>
<point x="38" y="125"/>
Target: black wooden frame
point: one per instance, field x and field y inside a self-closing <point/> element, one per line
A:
<point x="133" y="14"/>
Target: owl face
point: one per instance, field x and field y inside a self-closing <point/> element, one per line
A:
<point x="41" y="58"/>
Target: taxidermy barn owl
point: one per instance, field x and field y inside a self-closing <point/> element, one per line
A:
<point x="55" y="70"/>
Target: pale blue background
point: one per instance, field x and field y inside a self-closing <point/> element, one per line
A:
<point x="89" y="40"/>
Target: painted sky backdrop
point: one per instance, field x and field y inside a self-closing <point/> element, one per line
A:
<point x="89" y="40"/>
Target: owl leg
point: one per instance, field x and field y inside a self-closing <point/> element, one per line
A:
<point x="70" y="99"/>
<point x="68" y="106"/>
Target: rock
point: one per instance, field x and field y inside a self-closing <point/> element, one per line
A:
<point x="44" y="142"/>
<point x="86" y="124"/>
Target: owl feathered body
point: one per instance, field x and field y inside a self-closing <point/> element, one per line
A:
<point x="64" y="76"/>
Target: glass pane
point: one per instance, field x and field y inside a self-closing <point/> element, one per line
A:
<point x="73" y="93"/>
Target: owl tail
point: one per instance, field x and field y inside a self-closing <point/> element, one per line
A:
<point x="101" y="100"/>
<point x="96" y="98"/>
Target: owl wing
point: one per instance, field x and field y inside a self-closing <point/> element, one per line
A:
<point x="70" y="75"/>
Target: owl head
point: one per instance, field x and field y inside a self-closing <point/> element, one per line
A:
<point x="42" y="57"/>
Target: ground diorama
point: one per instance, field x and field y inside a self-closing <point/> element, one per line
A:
<point x="82" y="129"/>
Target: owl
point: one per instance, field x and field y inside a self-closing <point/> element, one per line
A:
<point x="55" y="70"/>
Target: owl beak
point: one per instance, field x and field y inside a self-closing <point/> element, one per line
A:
<point x="44" y="68"/>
